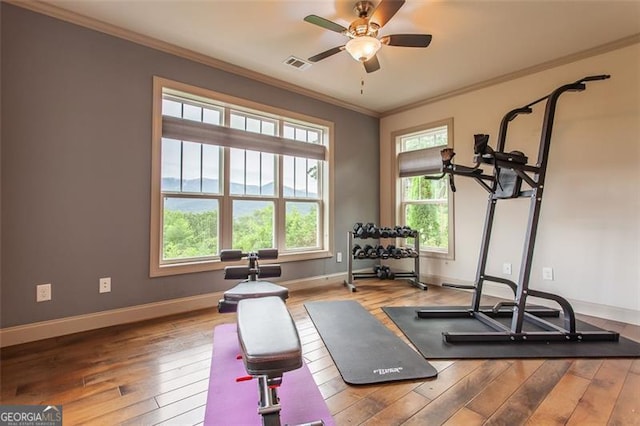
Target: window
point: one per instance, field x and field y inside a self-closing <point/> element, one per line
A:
<point x="229" y="173"/>
<point x="425" y="204"/>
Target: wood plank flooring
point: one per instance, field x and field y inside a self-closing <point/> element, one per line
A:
<point x="157" y="372"/>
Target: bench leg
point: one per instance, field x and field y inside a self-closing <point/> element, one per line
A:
<point x="269" y="407"/>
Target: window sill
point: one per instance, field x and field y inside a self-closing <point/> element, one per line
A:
<point x="216" y="265"/>
<point x="429" y="254"/>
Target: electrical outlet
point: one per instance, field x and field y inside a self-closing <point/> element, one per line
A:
<point x="105" y="285"/>
<point x="43" y="292"/>
<point x="547" y="273"/>
<point x="506" y="268"/>
<point x="339" y="257"/>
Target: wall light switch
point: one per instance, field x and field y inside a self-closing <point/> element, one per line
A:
<point x="547" y="273"/>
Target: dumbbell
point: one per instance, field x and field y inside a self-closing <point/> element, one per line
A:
<point x="362" y="230"/>
<point x="396" y="253"/>
<point x="384" y="272"/>
<point x="405" y="231"/>
<point x="373" y="231"/>
<point x="358" y="252"/>
<point x="412" y="253"/>
<point x="370" y="252"/>
<point x="365" y="230"/>
<point x="380" y="272"/>
<point x="385" y="232"/>
<point x="382" y="252"/>
<point x="390" y="274"/>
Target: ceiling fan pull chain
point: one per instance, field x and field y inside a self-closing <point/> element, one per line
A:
<point x="362" y="85"/>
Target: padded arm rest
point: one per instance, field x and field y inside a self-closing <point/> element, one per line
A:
<point x="268" y="337"/>
<point x="230" y="255"/>
<point x="270" y="271"/>
<point x="264" y="254"/>
<point x="236" y="272"/>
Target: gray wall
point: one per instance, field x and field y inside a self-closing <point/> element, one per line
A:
<point x="75" y="167"/>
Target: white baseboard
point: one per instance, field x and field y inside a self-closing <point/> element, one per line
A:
<point x="311" y="282"/>
<point x="10" y="336"/>
<point x="59" y="327"/>
<point x="615" y="313"/>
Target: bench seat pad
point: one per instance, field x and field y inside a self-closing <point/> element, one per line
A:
<point x="268" y="337"/>
<point x="253" y="289"/>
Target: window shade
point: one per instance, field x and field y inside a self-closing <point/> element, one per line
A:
<point x="420" y="162"/>
<point x="194" y="131"/>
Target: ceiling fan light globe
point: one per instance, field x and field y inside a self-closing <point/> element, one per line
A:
<point x="363" y="48"/>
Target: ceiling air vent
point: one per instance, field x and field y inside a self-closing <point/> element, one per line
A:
<point x="297" y="63"/>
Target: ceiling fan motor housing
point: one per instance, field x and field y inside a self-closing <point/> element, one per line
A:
<point x="362" y="27"/>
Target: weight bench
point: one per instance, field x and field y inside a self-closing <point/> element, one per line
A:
<point x="270" y="347"/>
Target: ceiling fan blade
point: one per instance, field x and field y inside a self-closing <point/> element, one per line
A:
<point x="372" y="65"/>
<point x="325" y="23"/>
<point x="385" y="11"/>
<point x="326" y="54"/>
<point x="407" y="40"/>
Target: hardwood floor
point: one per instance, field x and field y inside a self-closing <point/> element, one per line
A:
<point x="156" y="372"/>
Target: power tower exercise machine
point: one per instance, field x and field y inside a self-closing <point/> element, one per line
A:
<point x="510" y="170"/>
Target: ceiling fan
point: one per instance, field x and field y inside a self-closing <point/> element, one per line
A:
<point x="363" y="33"/>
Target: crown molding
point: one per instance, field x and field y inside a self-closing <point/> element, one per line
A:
<point x="594" y="51"/>
<point x="132" y="36"/>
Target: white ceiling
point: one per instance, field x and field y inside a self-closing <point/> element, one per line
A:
<point x="473" y="40"/>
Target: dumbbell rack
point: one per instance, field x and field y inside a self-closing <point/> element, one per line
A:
<point x="413" y="277"/>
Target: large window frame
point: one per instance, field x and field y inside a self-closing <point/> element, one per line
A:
<point x="402" y="203"/>
<point x="286" y="135"/>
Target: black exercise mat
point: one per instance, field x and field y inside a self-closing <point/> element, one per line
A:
<point x="363" y="349"/>
<point x="426" y="335"/>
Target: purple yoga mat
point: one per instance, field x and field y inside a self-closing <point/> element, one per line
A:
<point x="236" y="403"/>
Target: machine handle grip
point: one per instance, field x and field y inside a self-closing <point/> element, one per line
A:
<point x="595" y="77"/>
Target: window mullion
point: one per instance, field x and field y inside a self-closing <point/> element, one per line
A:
<point x="260" y="169"/>
<point x="280" y="228"/>
<point x="201" y="167"/>
<point x="225" y="220"/>
<point x="181" y="164"/>
<point x="306" y="188"/>
<point x="244" y="186"/>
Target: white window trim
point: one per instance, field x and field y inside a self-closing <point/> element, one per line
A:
<point x="396" y="186"/>
<point x="156" y="267"/>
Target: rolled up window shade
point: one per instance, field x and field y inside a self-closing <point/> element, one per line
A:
<point x="195" y="131"/>
<point x="420" y="162"/>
